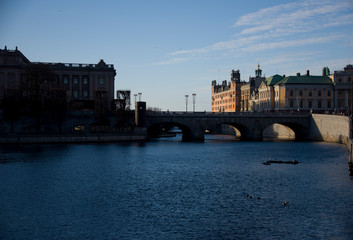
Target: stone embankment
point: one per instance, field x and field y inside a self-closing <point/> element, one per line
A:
<point x="84" y="138"/>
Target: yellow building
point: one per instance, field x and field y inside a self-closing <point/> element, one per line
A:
<point x="299" y="93"/>
<point x="266" y="93"/>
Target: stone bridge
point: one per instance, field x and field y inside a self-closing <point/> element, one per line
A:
<point x="248" y="126"/>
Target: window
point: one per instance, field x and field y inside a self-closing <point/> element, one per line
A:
<point x="291" y="93"/>
<point x="101" y="81"/>
<point x="319" y="93"/>
<point x="349" y="79"/>
<point x="291" y="104"/>
<point x="319" y="104"/>
<point x="75" y="80"/>
<point x="310" y="104"/>
<point x="66" y="80"/>
<point x="310" y="93"/>
<point x="85" y="94"/>
<point x="301" y="93"/>
<point x="329" y="104"/>
<point x="85" y="81"/>
<point x="340" y="80"/>
<point x="301" y="103"/>
<point x="80" y="128"/>
<point x="75" y="94"/>
<point x="329" y="93"/>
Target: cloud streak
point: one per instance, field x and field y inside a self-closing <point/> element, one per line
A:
<point x="287" y="25"/>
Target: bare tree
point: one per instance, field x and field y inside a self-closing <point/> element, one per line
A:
<point x="35" y="88"/>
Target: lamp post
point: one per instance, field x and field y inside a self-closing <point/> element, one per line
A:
<point x="135" y="95"/>
<point x="186" y="102"/>
<point x="193" y="101"/>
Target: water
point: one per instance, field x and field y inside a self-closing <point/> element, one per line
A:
<point x="175" y="190"/>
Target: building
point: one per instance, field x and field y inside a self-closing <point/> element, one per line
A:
<point x="266" y="93"/>
<point x="226" y="97"/>
<point x="343" y="89"/>
<point x="249" y="91"/>
<point x="297" y="93"/>
<point x="85" y="86"/>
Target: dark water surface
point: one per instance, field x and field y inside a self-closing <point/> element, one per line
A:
<point x="175" y="190"/>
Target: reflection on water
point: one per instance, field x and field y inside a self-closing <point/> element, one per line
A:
<point x="169" y="189"/>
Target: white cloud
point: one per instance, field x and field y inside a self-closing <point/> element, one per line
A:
<point x="301" y="16"/>
<point x="291" y="43"/>
<point x="295" y="24"/>
<point x="172" y="61"/>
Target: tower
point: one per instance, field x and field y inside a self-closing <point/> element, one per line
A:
<point x="235" y="76"/>
<point x="258" y="71"/>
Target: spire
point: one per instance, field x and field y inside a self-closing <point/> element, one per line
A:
<point x="258" y="71"/>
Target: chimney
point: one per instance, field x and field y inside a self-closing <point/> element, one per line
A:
<point x="307" y="72"/>
<point x="298" y="74"/>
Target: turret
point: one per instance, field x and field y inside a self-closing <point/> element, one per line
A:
<point x="258" y="71"/>
<point x="235" y="76"/>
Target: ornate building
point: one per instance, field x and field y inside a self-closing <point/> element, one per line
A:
<point x="85" y="86"/>
<point x="249" y="91"/>
<point x="226" y="97"/>
<point x="325" y="93"/>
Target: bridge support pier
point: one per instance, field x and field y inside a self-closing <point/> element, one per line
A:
<point x="197" y="134"/>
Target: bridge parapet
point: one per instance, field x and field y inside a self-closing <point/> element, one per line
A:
<point x="228" y="114"/>
<point x="250" y="125"/>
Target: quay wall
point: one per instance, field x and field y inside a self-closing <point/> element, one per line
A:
<point x="333" y="128"/>
<point x="138" y="134"/>
<point x="330" y="128"/>
<point x="72" y="139"/>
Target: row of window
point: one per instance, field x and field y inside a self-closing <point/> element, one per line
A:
<point x="300" y="104"/>
<point x="340" y="80"/>
<point x="84" y="94"/>
<point x="310" y="93"/>
<point x="85" y="80"/>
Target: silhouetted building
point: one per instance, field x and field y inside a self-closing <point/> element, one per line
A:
<point x="85" y="86"/>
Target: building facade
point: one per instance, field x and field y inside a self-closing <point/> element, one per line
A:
<point x="325" y="93"/>
<point x="343" y="89"/>
<point x="304" y="93"/>
<point x="249" y="92"/>
<point x="85" y="86"/>
<point x="226" y="97"/>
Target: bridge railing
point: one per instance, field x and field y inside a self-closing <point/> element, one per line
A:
<point x="247" y="114"/>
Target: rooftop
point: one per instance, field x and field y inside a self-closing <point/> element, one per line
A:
<point x="306" y="80"/>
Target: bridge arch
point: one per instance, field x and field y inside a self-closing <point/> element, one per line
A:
<point x="189" y="133"/>
<point x="278" y="131"/>
<point x="294" y="131"/>
<point x="241" y="130"/>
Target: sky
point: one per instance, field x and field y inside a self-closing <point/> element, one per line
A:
<point x="168" y="49"/>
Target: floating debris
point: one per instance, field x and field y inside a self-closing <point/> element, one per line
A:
<point x="275" y="161"/>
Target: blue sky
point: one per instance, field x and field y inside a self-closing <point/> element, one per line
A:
<point x="166" y="49"/>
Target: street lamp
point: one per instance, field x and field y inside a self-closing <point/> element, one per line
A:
<point x="186" y="102"/>
<point x="135" y="95"/>
<point x="193" y="101"/>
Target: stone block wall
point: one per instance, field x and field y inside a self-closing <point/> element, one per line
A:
<point x="330" y="128"/>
